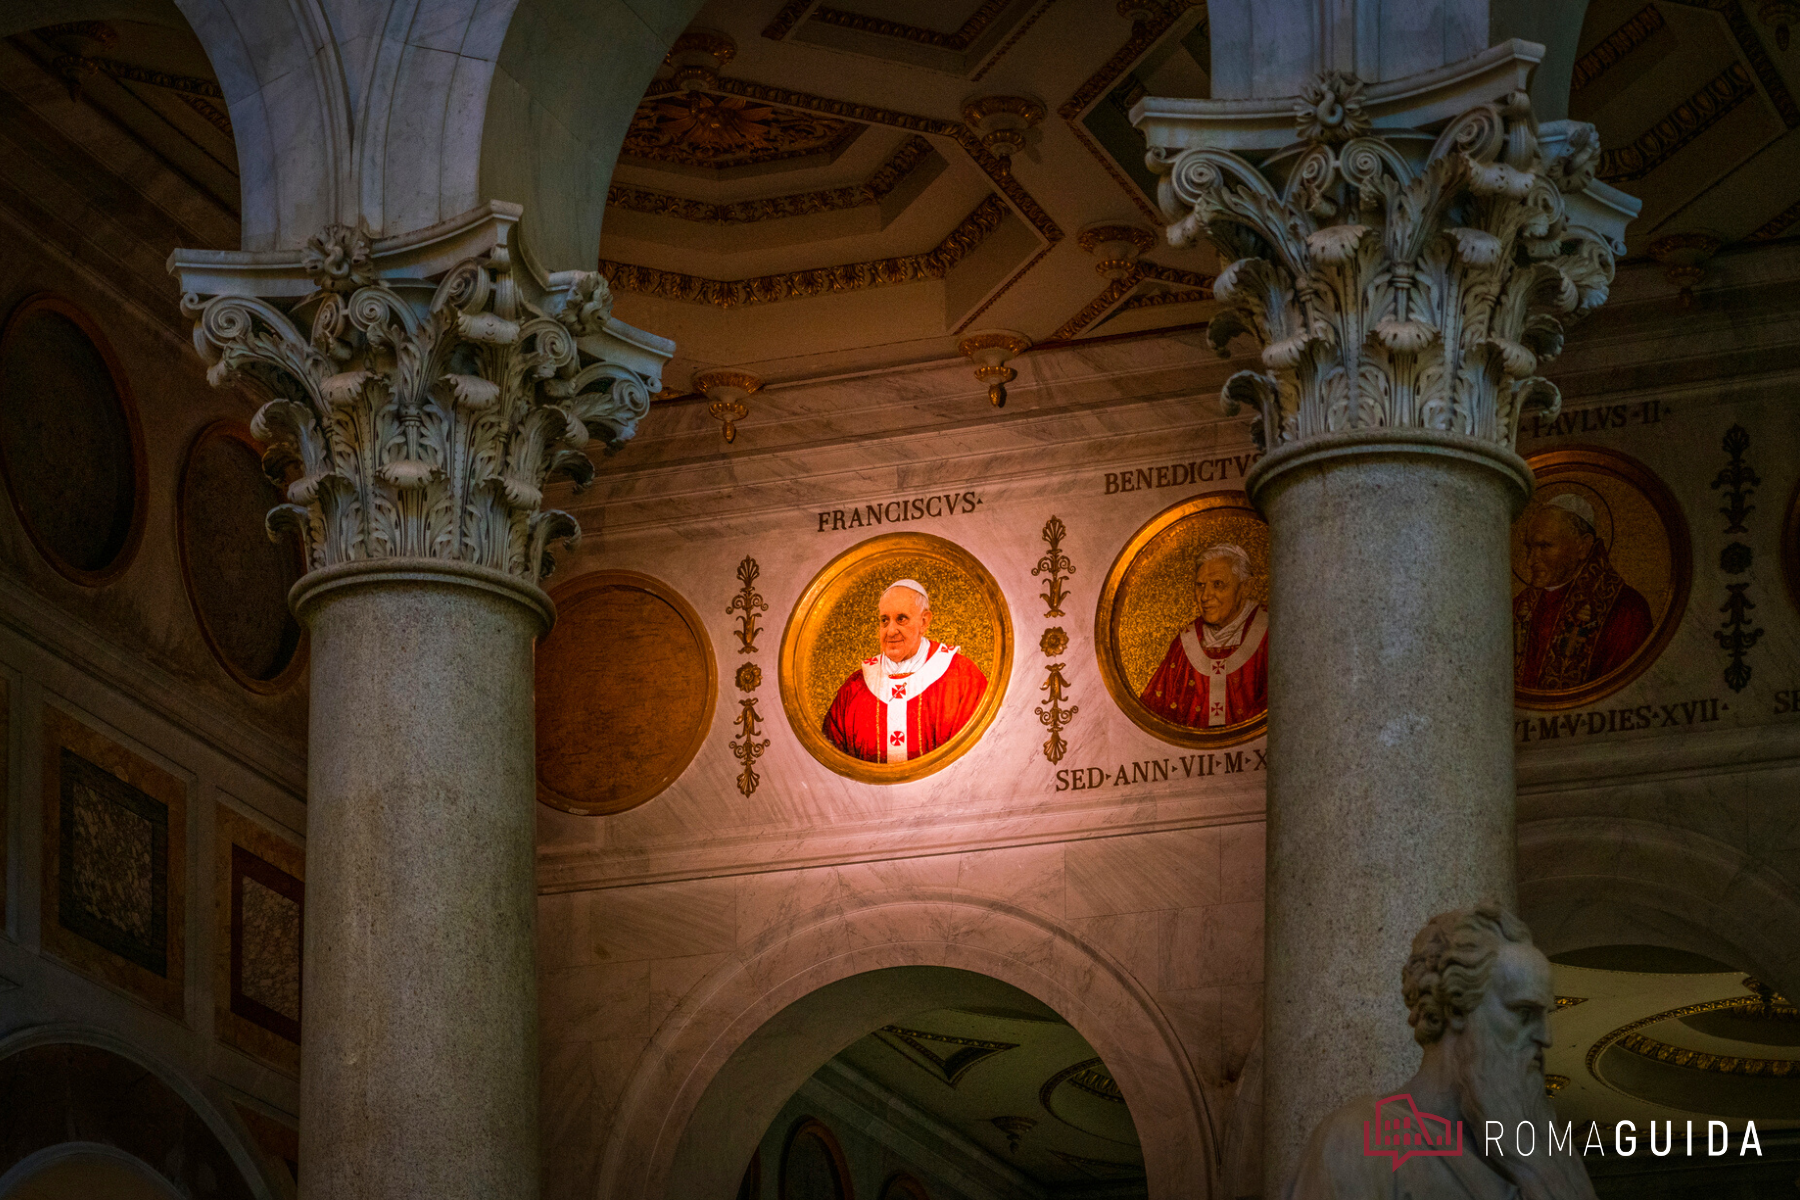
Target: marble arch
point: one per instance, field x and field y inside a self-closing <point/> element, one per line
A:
<point x="231" y="1137"/>
<point x="734" y="1049"/>
<point x="1592" y="881"/>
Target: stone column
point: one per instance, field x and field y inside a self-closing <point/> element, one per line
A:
<point x="1406" y="271"/>
<point x="416" y="420"/>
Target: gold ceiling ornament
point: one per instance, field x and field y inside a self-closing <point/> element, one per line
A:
<point x="990" y="351"/>
<point x="697" y="57"/>
<point x="1117" y="247"/>
<point x="1002" y="122"/>
<point x="699" y="129"/>
<point x="1138" y="11"/>
<point x="913" y="151"/>
<point x="727" y="396"/>
<point x="1779" y="14"/>
<point x="1015" y="1129"/>
<point x="1684" y="257"/>
<point x="1554" y="1084"/>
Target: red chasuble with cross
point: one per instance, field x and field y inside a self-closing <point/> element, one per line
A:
<point x="1203" y="686"/>
<point x="888" y="719"/>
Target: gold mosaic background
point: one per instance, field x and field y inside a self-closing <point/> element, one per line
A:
<point x="845" y="629"/>
<point x="1156" y="596"/>
<point x="1626" y="522"/>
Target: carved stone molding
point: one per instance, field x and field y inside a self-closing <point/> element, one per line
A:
<point x="1406" y="279"/>
<point x="420" y="421"/>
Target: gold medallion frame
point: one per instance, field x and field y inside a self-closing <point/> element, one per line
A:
<point x="821" y="595"/>
<point x="569" y="595"/>
<point x="1107" y="617"/>
<point x="1546" y="468"/>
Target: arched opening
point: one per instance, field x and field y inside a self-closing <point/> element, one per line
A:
<point x="84" y="1120"/>
<point x="985" y="1090"/>
<point x="773" y="1021"/>
<point x="1674" y="996"/>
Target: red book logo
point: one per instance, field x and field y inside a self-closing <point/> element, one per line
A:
<point x="1400" y="1131"/>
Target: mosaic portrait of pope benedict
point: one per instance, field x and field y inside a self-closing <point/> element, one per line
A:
<point x="913" y="695"/>
<point x="1216" y="670"/>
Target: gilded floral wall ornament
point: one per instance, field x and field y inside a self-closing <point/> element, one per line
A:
<point x="989" y="352"/>
<point x="1054" y="641"/>
<point x="1390" y="290"/>
<point x="1055" y="567"/>
<point x="727" y="397"/>
<point x="747" y="604"/>
<point x="424" y="429"/>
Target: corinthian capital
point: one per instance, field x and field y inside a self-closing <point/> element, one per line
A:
<point x="423" y="398"/>
<point x="1398" y="277"/>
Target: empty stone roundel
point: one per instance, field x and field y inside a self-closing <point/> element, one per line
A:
<point x="625" y="691"/>
<point x="237" y="579"/>
<point x="69" y="444"/>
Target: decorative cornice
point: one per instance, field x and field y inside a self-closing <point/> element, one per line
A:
<point x="1615" y="46"/>
<point x="1750" y="45"/>
<point x="793" y="285"/>
<point x="1701" y="1060"/>
<point x="789" y="15"/>
<point x="1144" y="35"/>
<point x="1394" y="288"/>
<point x="1192" y="286"/>
<point x="886" y="178"/>
<point x="965" y="137"/>
<point x="1023" y="28"/>
<point x="1777" y="225"/>
<point x="959" y="41"/>
<point x="422" y="429"/>
<point x="1689" y="119"/>
<point x="1012" y="281"/>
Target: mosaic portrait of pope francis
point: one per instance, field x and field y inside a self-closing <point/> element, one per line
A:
<point x="914" y="695"/>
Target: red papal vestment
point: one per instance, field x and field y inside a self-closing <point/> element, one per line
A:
<point x="1203" y="686"/>
<point x="884" y="719"/>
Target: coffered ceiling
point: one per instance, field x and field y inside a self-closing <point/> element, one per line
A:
<point x="823" y="188"/>
<point x="827" y="188"/>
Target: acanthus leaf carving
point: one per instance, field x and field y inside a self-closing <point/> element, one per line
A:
<point x="429" y="431"/>
<point x="1390" y="290"/>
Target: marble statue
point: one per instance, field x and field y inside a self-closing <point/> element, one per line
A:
<point x="1478" y="996"/>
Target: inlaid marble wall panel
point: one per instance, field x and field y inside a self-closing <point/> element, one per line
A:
<point x="259" y="904"/>
<point x="114" y="863"/>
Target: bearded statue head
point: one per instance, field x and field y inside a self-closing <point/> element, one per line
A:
<point x="1476" y="985"/>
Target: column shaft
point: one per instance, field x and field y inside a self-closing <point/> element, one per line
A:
<point x="1390" y="761"/>
<point x="419" y="1076"/>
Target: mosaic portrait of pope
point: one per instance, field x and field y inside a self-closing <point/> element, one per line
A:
<point x="1216" y="670"/>
<point x="914" y="695"/>
<point x="1577" y="619"/>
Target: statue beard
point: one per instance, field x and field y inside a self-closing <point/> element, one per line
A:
<point x="1499" y="1083"/>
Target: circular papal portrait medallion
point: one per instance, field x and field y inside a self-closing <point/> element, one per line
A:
<point x="626" y="686"/>
<point x="895" y="658"/>
<point x="1600" y="567"/>
<point x="1183" y="624"/>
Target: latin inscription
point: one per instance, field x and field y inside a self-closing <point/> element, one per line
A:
<point x="896" y="512"/>
<point x="1598" y="420"/>
<point x="1162" y="770"/>
<point x="1787" y="702"/>
<point x="1181" y="474"/>
<point x="1618" y="720"/>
